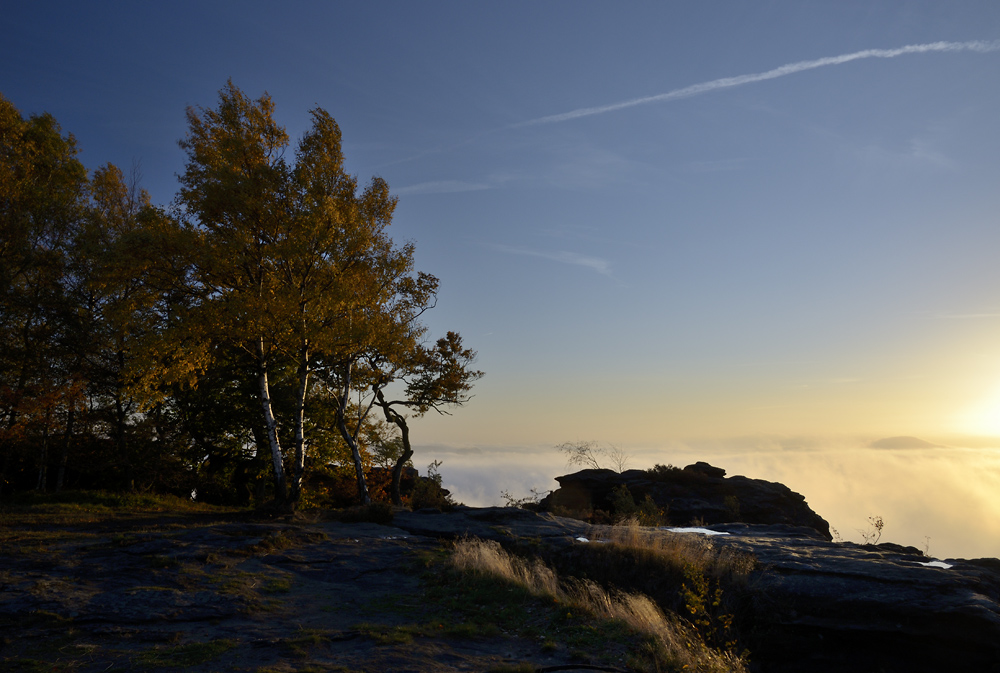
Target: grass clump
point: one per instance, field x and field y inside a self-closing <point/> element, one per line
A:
<point x="278" y="585"/>
<point x="468" y="605"/>
<point x="670" y="642"/>
<point x="281" y="540"/>
<point x="376" y="512"/>
<point x="681" y="550"/>
<point x="388" y="635"/>
<point x="32" y="508"/>
<point x="307" y="639"/>
<point x="138" y="502"/>
<point x="685" y="574"/>
<point x="513" y="668"/>
<point x="190" y="654"/>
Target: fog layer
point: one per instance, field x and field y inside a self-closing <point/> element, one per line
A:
<point x="946" y="500"/>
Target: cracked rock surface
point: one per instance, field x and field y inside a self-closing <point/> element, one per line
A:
<point x="197" y="594"/>
<point x="842" y="606"/>
<point x="238" y="594"/>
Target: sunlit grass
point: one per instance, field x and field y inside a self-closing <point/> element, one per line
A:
<point x="681" y="550"/>
<point x="83" y="507"/>
<point x="673" y="643"/>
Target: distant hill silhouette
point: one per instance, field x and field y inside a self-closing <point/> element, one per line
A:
<point x="903" y="443"/>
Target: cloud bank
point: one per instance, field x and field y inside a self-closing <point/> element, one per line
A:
<point x="979" y="46"/>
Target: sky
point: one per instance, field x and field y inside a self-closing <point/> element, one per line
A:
<point x="687" y="229"/>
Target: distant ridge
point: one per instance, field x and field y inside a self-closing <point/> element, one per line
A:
<point x="904" y="443"/>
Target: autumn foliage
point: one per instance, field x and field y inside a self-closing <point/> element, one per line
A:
<point x="261" y="334"/>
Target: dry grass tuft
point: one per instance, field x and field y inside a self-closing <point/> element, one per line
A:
<point x="678" y="645"/>
<point x="729" y="566"/>
<point x="486" y="556"/>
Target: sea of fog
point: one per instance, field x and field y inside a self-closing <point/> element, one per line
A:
<point x="945" y="500"/>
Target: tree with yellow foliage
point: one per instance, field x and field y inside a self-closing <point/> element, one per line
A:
<point x="43" y="196"/>
<point x="289" y="261"/>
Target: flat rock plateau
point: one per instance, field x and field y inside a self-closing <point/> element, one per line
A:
<point x="228" y="592"/>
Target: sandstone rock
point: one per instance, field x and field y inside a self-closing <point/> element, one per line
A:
<point x="817" y="606"/>
<point x="698" y="493"/>
<point x="829" y="607"/>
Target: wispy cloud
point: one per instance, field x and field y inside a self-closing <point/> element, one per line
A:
<point x="919" y="154"/>
<point x="789" y="69"/>
<point x="601" y="266"/>
<point x="591" y="234"/>
<point x="443" y="187"/>
<point x="716" y="166"/>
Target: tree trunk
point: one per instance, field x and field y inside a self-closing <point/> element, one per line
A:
<point x="298" y="469"/>
<point x="12" y="415"/>
<point x="359" y="468"/>
<point x="64" y="454"/>
<point x="280" y="488"/>
<point x="121" y="449"/>
<point x="397" y="469"/>
<point x="43" y="457"/>
<point x="260" y="464"/>
<point x="399" y="421"/>
<point x="351" y="440"/>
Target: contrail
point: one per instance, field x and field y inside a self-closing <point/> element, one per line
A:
<point x="790" y="69"/>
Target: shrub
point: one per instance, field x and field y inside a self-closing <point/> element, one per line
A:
<point x="530" y="502"/>
<point x="429" y="493"/>
<point x="648" y="513"/>
<point x="662" y="470"/>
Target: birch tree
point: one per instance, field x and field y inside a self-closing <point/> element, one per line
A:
<point x="290" y="260"/>
<point x="385" y="328"/>
<point x="234" y="193"/>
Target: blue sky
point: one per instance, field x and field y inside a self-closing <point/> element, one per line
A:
<point x="808" y="255"/>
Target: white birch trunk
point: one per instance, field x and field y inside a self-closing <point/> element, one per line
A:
<point x="345" y="432"/>
<point x="298" y="469"/>
<point x="281" y="491"/>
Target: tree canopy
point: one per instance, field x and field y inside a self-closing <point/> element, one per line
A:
<point x="250" y="328"/>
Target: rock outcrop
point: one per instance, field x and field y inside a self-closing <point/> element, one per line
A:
<point x="109" y="595"/>
<point x="831" y="607"/>
<point x="820" y="606"/>
<point x="698" y="493"/>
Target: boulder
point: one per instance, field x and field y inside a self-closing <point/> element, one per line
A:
<point x="699" y="493"/>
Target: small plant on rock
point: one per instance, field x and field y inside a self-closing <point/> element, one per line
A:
<point x="589" y="455"/>
<point x="529" y="502"/>
<point x="873" y="534"/>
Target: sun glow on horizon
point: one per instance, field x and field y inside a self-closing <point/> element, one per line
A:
<point x="984" y="417"/>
